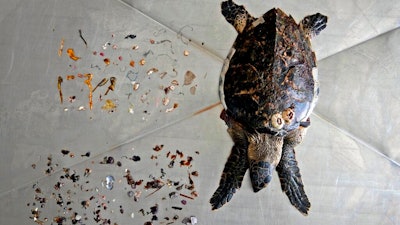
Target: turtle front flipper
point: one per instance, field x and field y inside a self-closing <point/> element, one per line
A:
<point x="314" y="24"/>
<point x="236" y="15"/>
<point x="231" y="178"/>
<point x="289" y="173"/>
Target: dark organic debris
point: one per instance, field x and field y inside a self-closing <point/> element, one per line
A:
<point x="64" y="152"/>
<point x="83" y="39"/>
<point x="130" y="36"/>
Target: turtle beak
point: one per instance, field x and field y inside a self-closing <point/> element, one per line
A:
<point x="260" y="174"/>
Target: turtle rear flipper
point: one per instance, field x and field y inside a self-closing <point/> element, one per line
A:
<point x="314" y="24"/>
<point x="289" y="173"/>
<point x="231" y="178"/>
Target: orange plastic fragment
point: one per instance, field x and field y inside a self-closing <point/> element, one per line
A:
<point x="89" y="84"/>
<point x="71" y="54"/>
<point x="60" y="50"/>
<point x="70" y="77"/>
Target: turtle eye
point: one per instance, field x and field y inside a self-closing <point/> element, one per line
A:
<point x="277" y="121"/>
<point x="288" y="115"/>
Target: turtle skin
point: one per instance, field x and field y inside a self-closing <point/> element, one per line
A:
<point x="269" y="88"/>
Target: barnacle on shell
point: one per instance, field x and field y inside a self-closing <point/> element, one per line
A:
<point x="288" y="115"/>
<point x="277" y="121"/>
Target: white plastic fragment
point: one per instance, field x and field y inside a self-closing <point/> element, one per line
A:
<point x="193" y="220"/>
<point x="189" y="221"/>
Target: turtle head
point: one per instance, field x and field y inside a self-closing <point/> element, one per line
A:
<point x="235" y="14"/>
<point x="264" y="153"/>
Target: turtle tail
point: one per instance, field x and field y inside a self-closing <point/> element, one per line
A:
<point x="232" y="177"/>
<point x="260" y="174"/>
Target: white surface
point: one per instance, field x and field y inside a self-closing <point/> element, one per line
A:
<point x="348" y="159"/>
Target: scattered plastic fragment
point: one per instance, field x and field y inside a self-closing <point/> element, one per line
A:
<point x="113" y="81"/>
<point x="71" y="54"/>
<point x="83" y="39"/>
<point x="190" y="220"/>
<point x="189" y="77"/>
<point x="64" y="152"/>
<point x="101" y="83"/>
<point x="60" y="49"/>
<point x="135" y="85"/>
<point x="106" y="45"/>
<point x="158" y="148"/>
<point x="193" y="90"/>
<point x="87" y="172"/>
<point x="165" y="101"/>
<point x="132" y="63"/>
<point x="70" y="77"/>
<point x="71" y="99"/>
<point x="109" y="105"/>
<point x="78" y="217"/>
<point x="108" y="183"/>
<point x="142" y="62"/>
<point x="154" y="209"/>
<point x="169" y="88"/>
<point x="152" y="70"/>
<point x="60" y="80"/>
<point x="162" y="75"/>
<point x="186" y="53"/>
<point x="131" y="110"/>
<point x="183" y="195"/>
<point x="172" y="108"/>
<point x="88" y="82"/>
<point x="107" y="61"/>
<point x="175" y="82"/>
<point x="130" y="36"/>
<point x="87" y="154"/>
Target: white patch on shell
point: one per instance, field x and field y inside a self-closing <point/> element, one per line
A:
<point x="316" y="90"/>
<point x="225" y="68"/>
<point x="258" y="21"/>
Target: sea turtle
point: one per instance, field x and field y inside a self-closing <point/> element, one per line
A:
<point x="269" y="88"/>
